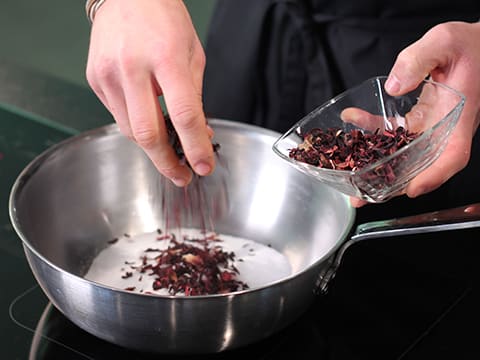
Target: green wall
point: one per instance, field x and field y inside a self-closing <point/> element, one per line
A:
<point x="52" y="35"/>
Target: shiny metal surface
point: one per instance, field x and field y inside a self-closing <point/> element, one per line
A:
<point x="72" y="199"/>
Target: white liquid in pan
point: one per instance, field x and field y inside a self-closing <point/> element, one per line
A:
<point x="259" y="264"/>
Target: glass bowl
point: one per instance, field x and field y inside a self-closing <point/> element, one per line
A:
<point x="430" y="112"/>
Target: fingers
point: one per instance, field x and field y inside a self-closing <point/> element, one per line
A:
<point x="118" y="108"/>
<point x="183" y="99"/>
<point x="131" y="98"/>
<point x="454" y="158"/>
<point x="444" y="54"/>
<point x="415" y="62"/>
<point x="357" y="203"/>
<point x="435" y="175"/>
<point x="362" y="118"/>
<point x="149" y="131"/>
<point x="155" y="51"/>
<point x="197" y="65"/>
<point x="103" y="77"/>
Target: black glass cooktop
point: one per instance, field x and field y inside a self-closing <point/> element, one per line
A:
<point x="398" y="298"/>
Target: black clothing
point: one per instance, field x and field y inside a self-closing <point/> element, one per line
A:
<point x="270" y="62"/>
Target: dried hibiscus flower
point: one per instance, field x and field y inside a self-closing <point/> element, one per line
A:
<point x="337" y="149"/>
<point x="194" y="267"/>
<point x="175" y="140"/>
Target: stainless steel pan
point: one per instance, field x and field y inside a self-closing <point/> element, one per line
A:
<point x="77" y="195"/>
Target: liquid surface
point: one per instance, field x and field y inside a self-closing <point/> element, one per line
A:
<point x="258" y="264"/>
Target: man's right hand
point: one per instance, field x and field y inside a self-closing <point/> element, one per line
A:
<point x="140" y="50"/>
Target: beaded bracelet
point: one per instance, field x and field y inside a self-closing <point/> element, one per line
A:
<point x="91" y="7"/>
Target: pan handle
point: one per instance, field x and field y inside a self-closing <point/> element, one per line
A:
<point x="463" y="217"/>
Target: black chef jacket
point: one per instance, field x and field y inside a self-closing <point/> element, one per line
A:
<point x="270" y="62"/>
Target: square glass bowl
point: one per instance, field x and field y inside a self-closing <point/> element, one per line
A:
<point x="430" y="111"/>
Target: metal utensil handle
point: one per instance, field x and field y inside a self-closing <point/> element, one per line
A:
<point x="463" y="217"/>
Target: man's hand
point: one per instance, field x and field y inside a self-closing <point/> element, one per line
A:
<point x="140" y="50"/>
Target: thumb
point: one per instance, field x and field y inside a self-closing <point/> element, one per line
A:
<point x="416" y="62"/>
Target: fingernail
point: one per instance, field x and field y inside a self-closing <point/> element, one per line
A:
<point x="202" y="168"/>
<point x="210" y="131"/>
<point x="392" y="85"/>
<point x="416" y="192"/>
<point x="180" y="182"/>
